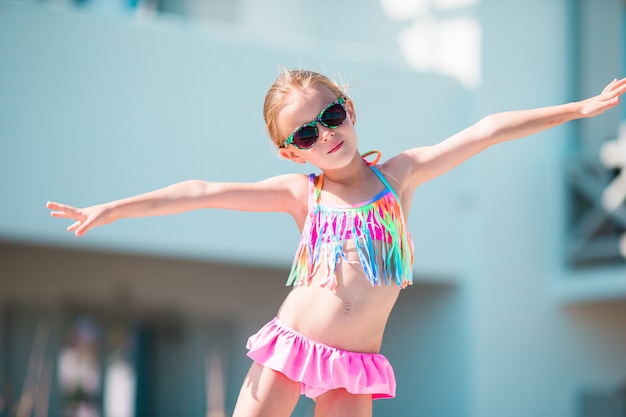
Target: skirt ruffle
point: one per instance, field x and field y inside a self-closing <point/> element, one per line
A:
<point x="318" y="367"/>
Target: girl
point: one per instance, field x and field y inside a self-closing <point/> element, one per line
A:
<point x="355" y="253"/>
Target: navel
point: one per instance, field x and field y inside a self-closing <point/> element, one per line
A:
<point x="347" y="307"/>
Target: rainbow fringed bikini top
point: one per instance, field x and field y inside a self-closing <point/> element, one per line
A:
<point x="383" y="243"/>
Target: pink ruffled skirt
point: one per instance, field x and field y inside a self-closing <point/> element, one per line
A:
<point x="318" y="367"/>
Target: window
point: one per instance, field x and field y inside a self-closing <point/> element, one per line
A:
<point x="596" y="177"/>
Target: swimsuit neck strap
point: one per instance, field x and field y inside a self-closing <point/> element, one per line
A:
<point x="319" y="181"/>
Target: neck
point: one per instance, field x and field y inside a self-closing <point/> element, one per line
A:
<point x="357" y="170"/>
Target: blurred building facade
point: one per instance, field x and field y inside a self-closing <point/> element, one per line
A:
<point x="519" y="304"/>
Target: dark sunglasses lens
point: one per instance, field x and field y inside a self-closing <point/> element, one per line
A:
<point x="334" y="116"/>
<point x="305" y="137"/>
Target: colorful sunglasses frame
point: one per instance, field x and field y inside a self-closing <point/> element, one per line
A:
<point x="341" y="101"/>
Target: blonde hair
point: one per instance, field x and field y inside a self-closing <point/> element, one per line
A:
<point x="288" y="83"/>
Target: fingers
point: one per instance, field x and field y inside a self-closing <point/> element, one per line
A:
<point x="79" y="227"/>
<point x="620" y="86"/>
<point x="52" y="205"/>
<point x="74" y="226"/>
<point x="58" y="210"/>
<point x="59" y="207"/>
<point x="64" y="211"/>
<point x="81" y="230"/>
<point x="608" y="87"/>
<point x="616" y="86"/>
<point x="62" y="215"/>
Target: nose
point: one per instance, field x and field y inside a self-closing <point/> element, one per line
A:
<point x="325" y="133"/>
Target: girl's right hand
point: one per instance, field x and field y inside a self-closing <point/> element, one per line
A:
<point x="85" y="218"/>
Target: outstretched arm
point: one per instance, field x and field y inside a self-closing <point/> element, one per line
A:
<point x="422" y="164"/>
<point x="279" y="194"/>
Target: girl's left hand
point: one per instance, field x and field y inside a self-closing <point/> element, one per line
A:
<point x="609" y="98"/>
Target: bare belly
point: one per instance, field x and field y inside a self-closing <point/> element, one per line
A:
<point x="352" y="316"/>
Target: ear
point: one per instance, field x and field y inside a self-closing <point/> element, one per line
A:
<point x="292" y="155"/>
<point x="351" y="111"/>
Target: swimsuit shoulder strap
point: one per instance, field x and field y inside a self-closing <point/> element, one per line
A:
<point x="316" y="183"/>
<point x="317" y="187"/>
<point x="382" y="179"/>
<point x="311" y="192"/>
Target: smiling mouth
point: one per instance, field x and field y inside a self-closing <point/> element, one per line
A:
<point x="336" y="148"/>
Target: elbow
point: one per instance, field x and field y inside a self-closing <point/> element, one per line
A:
<point x="197" y="189"/>
<point x="487" y="130"/>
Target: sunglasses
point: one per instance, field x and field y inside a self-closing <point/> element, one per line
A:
<point x="332" y="116"/>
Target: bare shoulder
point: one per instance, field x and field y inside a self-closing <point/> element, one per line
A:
<point x="297" y="184"/>
<point x="416" y="166"/>
<point x="290" y="185"/>
<point x="402" y="170"/>
<point x="295" y="191"/>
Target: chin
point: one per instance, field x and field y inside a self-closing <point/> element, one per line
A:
<point x="340" y="160"/>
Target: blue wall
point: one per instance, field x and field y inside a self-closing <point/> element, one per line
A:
<point x="97" y="108"/>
